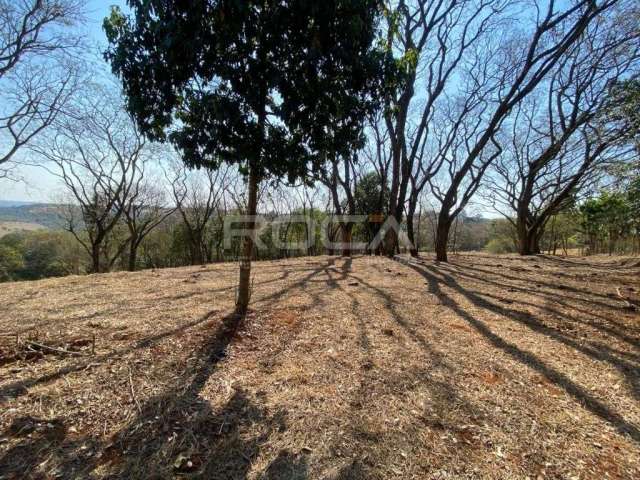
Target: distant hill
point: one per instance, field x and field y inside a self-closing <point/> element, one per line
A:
<point x="13" y="203"/>
<point x="44" y="214"/>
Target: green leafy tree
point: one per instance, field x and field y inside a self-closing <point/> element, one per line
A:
<point x="39" y="254"/>
<point x="267" y="85"/>
<point x="371" y="194"/>
<point x="11" y="261"/>
<point x="605" y="220"/>
<point x="502" y="238"/>
<point x="371" y="197"/>
<point x="591" y="223"/>
<point x="562" y="231"/>
<point x="42" y="258"/>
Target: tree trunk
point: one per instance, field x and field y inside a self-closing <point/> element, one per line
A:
<point x="347" y="234"/>
<point x="413" y="249"/>
<point x="307" y="236"/>
<point x="95" y="258"/>
<point x="390" y="242"/>
<point x="244" y="285"/>
<point x="528" y="238"/>
<point x="133" y="254"/>
<point x="195" y="247"/>
<point x="332" y="233"/>
<point x="198" y="255"/>
<point x="442" y="238"/>
<point x="528" y="243"/>
<point x="219" y="248"/>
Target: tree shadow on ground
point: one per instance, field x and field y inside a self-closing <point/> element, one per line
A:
<point x="630" y="263"/>
<point x="272" y="299"/>
<point x="176" y="433"/>
<point x="606" y="324"/>
<point x="403" y="323"/>
<point x="626" y="366"/>
<point x="436" y="276"/>
<point x="364" y="443"/>
<point x="286" y="466"/>
<point x="20" y="387"/>
<point x="553" y="286"/>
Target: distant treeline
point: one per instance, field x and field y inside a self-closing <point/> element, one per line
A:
<point x="30" y="255"/>
<point x="608" y="223"/>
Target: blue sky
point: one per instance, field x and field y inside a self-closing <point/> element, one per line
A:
<point x="38" y="185"/>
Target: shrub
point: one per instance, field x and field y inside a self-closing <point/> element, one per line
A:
<point x="35" y="255"/>
<point x="500" y="245"/>
<point x="11" y="261"/>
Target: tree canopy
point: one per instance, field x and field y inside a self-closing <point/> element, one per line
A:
<point x="250" y="82"/>
<point x="271" y="86"/>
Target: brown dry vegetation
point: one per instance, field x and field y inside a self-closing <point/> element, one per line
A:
<point x="12" y="227"/>
<point x="488" y="367"/>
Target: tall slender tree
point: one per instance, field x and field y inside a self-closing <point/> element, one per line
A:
<point x="433" y="41"/>
<point x="263" y="84"/>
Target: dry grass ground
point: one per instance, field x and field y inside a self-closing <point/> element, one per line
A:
<point x="487" y="367"/>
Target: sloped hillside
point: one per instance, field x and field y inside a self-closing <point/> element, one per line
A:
<point x="488" y="367"/>
<point x="11" y="227"/>
<point x="44" y="215"/>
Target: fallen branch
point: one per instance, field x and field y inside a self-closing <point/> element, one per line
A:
<point x="628" y="304"/>
<point x="53" y="349"/>
<point x="133" y="393"/>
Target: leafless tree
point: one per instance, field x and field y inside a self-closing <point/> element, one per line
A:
<point x="198" y="197"/>
<point x="144" y="209"/>
<point x="434" y="40"/>
<point x="517" y="63"/>
<point x="558" y="140"/>
<point x="37" y="75"/>
<point x="30" y="28"/>
<point x="341" y="178"/>
<point x="377" y="152"/>
<point x="97" y="152"/>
